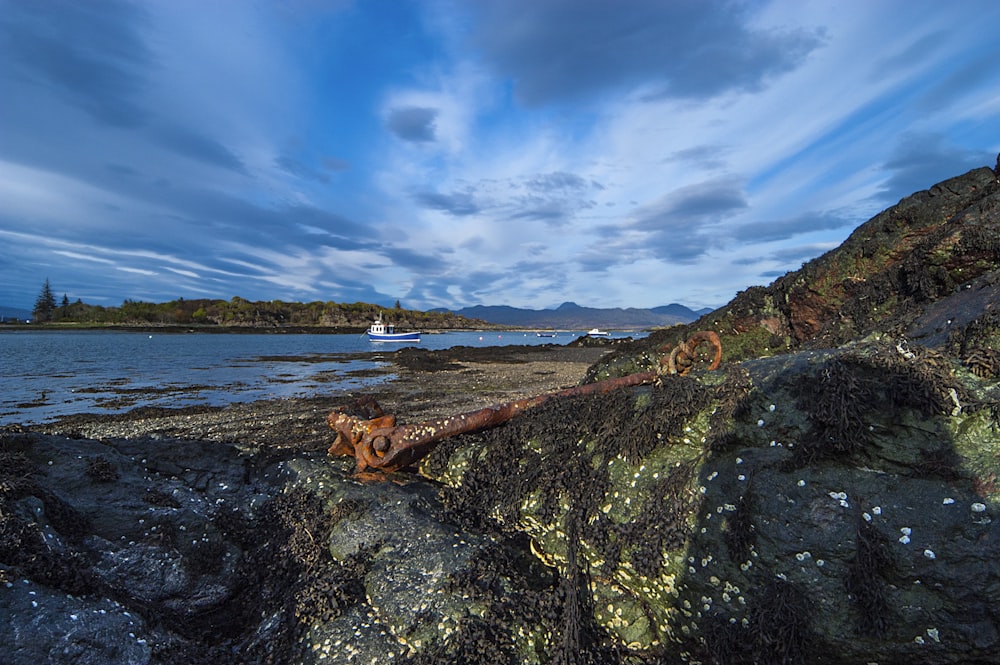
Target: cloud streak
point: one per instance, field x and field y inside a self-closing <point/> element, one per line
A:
<point x="489" y="152"/>
<point x="571" y="49"/>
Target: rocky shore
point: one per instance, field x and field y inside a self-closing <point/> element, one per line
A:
<point x="204" y="535"/>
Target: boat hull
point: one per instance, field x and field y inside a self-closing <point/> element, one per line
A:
<point x="394" y="337"/>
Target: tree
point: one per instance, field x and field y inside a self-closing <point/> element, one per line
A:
<point x="45" y="304"/>
<point x="65" y="301"/>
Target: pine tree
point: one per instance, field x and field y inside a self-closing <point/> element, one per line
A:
<point x="45" y="304"/>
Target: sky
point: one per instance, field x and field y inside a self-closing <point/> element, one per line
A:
<point x="450" y="153"/>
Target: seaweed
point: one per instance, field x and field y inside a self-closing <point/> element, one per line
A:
<point x="865" y="582"/>
<point x="837" y="400"/>
<point x="776" y="631"/>
<point x="100" y="470"/>
<point x="779" y="625"/>
<point x="556" y="472"/>
<point x="851" y="391"/>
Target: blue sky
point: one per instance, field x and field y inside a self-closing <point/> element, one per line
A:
<point x="447" y="153"/>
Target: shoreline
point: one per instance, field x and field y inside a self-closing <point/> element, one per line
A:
<point x="424" y="385"/>
<point x="172" y="329"/>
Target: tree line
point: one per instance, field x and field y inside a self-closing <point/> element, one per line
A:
<point x="239" y="312"/>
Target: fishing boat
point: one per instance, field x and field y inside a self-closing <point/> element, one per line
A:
<point x="595" y="332"/>
<point x="545" y="334"/>
<point x="386" y="332"/>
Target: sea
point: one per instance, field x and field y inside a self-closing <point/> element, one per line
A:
<point x="45" y="375"/>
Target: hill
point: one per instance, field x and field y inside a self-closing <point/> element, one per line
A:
<point x="239" y="314"/>
<point x="571" y="316"/>
<point x="926" y="270"/>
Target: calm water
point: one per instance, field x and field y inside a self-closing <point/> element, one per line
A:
<point x="48" y="374"/>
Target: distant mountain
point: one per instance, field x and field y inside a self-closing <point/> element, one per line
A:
<point x="14" y="313"/>
<point x="570" y="316"/>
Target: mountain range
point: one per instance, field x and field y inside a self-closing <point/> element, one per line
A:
<point x="14" y="313"/>
<point x="570" y="316"/>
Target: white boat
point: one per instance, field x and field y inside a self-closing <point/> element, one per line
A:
<point x="386" y="332"/>
<point x="595" y="332"/>
<point x="545" y="334"/>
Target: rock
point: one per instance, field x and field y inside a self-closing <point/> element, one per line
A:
<point x="194" y="552"/>
<point x="137" y="544"/>
<point x="830" y="506"/>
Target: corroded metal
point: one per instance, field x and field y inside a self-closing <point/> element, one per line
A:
<point x="379" y="444"/>
<point x="682" y="356"/>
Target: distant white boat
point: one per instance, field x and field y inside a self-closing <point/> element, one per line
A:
<point x="386" y="332"/>
<point x="595" y="332"/>
<point x="545" y="334"/>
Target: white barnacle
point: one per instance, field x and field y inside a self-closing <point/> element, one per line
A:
<point x="760" y="423"/>
<point x="877" y="510"/>
<point x="930" y="554"/>
<point x="713" y="475"/>
<point x="741" y="477"/>
<point x="978" y="507"/>
<point x="904" y="539"/>
<point x="771" y="408"/>
<point x="905" y="530"/>
<point x="933" y="634"/>
<point x="867" y="516"/>
<point x="801" y="483"/>
<point x="947" y="501"/>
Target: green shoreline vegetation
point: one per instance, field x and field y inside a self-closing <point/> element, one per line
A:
<point x="237" y="315"/>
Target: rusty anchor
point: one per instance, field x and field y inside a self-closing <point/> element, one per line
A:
<point x="379" y="444"/>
